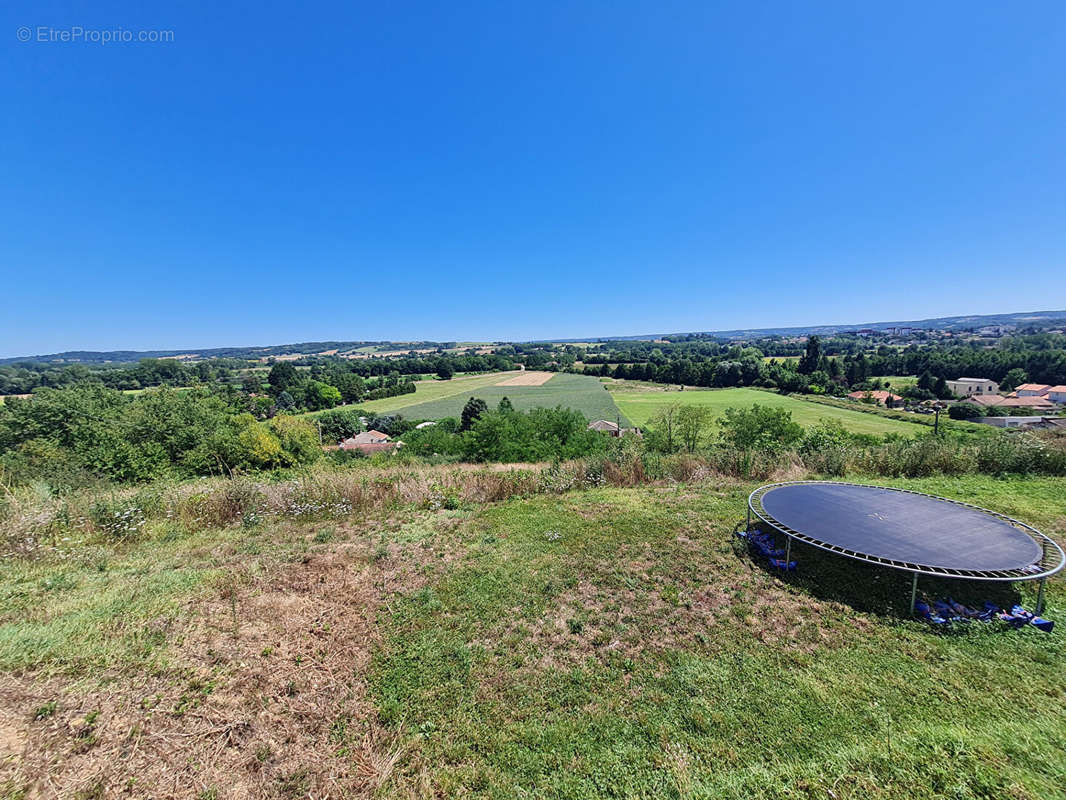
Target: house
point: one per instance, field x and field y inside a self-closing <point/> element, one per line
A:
<point x="965" y="387"/>
<point x="369" y="442"/>
<point x="1032" y="390"/>
<point x="368" y="437"/>
<point x="886" y="399"/>
<point x="605" y="426"/>
<point x="1057" y="394"/>
<point x="988" y="400"/>
<point x="1025" y="423"/>
<point x="612" y="429"/>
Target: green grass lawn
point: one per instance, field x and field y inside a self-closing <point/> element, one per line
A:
<point x="641" y="406"/>
<point x="614" y="643"/>
<point x="582" y="393"/>
<point x="598" y="643"/>
<point x="897" y="381"/>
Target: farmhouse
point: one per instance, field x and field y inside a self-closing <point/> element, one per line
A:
<point x="1057" y="394"/>
<point x="369" y="442"/>
<point x="611" y="428"/>
<point x="965" y="387"/>
<point x="605" y="426"/>
<point x="880" y="396"/>
<point x="367" y="437"/>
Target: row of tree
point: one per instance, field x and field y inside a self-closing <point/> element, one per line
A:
<point x="79" y="434"/>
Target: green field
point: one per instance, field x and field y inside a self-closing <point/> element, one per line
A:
<point x="597" y="643"/>
<point x="768" y="359"/>
<point x="641" y="406"/>
<point x="428" y="390"/>
<point x="582" y="393"/>
<point x="897" y="381"/>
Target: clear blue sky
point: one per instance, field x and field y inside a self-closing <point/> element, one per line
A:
<point x="511" y="170"/>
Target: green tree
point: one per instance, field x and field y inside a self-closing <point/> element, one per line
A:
<point x="760" y="428"/>
<point x="319" y="395"/>
<point x="1013" y="379"/>
<point x="472" y="411"/>
<point x="941" y="390"/>
<point x="298" y="439"/>
<point x="505" y="406"/>
<point x="664" y="433"/>
<point x="692" y="424"/>
<point x="338" y="424"/>
<point x="445" y="371"/>
<point x="812" y="356"/>
<point x="282" y="376"/>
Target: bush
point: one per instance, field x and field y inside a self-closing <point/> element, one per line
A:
<point x="964" y="411"/>
<point x="298" y="438"/>
<point x="760" y="428"/>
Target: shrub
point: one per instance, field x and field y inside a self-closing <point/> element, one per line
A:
<point x="964" y="411"/>
<point x="760" y="428"/>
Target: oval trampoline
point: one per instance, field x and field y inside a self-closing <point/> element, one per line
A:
<point x="907" y="530"/>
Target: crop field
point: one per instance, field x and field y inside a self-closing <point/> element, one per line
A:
<point x="528" y="378"/>
<point x="600" y="642"/>
<point x="428" y="390"/>
<point x="640" y="406"/>
<point x="580" y="392"/>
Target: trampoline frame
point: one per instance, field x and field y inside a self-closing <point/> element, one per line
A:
<point x="1046" y="566"/>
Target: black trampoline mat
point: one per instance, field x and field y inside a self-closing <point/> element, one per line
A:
<point x="899" y="526"/>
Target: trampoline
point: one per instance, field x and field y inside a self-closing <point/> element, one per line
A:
<point x="906" y="530"/>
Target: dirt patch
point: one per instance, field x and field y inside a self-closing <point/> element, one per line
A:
<point x="528" y="379"/>
<point x="263" y="695"/>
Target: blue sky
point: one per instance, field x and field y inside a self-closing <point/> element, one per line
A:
<point x="292" y="172"/>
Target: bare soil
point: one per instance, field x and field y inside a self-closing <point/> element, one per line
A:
<point x="528" y="379"/>
<point x="263" y="695"/>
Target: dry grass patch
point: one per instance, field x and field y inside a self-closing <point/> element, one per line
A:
<point x="262" y="694"/>
<point x="528" y="379"/>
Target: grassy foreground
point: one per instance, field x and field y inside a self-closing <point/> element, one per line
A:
<point x="642" y="406"/>
<point x="605" y="642"/>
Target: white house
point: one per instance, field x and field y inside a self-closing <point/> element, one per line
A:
<point x="964" y="387"/>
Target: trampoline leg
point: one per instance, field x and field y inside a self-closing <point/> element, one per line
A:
<point x="749" y="520"/>
<point x="1040" y="597"/>
<point x="914" y="591"/>
<point x="788" y="549"/>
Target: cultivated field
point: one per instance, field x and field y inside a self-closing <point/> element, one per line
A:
<point x="429" y="390"/>
<point x="579" y="392"/>
<point x="602" y="642"/>
<point x="640" y="406"/>
<point x="528" y="379"/>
